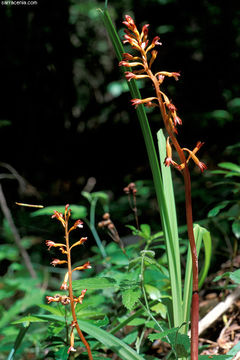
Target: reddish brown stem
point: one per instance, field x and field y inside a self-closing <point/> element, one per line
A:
<point x="70" y="289"/>
<point x="189" y="218"/>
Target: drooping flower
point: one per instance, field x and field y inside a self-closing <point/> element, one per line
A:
<point x="83" y="267"/>
<point x="77" y="224"/>
<point x="200" y="164"/>
<point x="169" y="74"/>
<point x="58" y="262"/>
<point x="136" y="102"/>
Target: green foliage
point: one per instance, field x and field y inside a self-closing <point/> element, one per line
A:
<point x="78" y="211"/>
<point x="94" y="283"/>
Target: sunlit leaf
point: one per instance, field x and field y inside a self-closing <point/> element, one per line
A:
<point x="78" y="211"/>
<point x="235" y="276"/>
<point x="94" y="283"/>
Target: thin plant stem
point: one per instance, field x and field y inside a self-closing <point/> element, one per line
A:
<point x="93" y="229"/>
<point x="146" y="307"/>
<point x="16" y="236"/>
<point x="70" y="289"/>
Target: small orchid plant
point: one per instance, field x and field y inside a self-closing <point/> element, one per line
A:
<point x="142" y="63"/>
<point x="66" y="249"/>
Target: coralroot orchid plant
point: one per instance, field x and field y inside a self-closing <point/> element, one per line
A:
<point x="143" y="63"/>
<point x="66" y="249"/>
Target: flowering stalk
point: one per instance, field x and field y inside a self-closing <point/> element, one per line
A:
<point x="67" y="283"/>
<point x="139" y="41"/>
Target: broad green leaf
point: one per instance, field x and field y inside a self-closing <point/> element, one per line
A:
<point x="146" y="230"/>
<point x="236" y="228"/>
<point x="230" y="166"/>
<point x="153" y="292"/>
<point x="87" y="195"/>
<point x="131" y="337"/>
<point x="219" y="277"/>
<point x="130" y="297"/>
<point x="34" y="317"/>
<point x="234" y="105"/>
<point x="100" y="195"/>
<point x="94" y="283"/>
<point x="61" y="353"/>
<point x="235" y="276"/>
<point x="179" y="342"/>
<point x="53" y="309"/>
<point x="137" y="322"/>
<point x="161" y="309"/>
<point x="78" y="211"/>
<point x="215" y="211"/>
<point x="9" y="252"/>
<point x="161" y="335"/>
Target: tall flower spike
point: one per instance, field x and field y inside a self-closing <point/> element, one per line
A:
<point x="171" y="120"/>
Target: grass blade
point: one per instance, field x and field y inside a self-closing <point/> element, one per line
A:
<point x="124" y="351"/>
<point x="18" y="341"/>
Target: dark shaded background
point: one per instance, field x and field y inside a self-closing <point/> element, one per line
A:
<point x="68" y="115"/>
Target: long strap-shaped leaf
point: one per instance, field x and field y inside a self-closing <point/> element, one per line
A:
<point x="124" y="351"/>
<point x="171" y="245"/>
<point x="18" y="341"/>
<point x="110" y="341"/>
